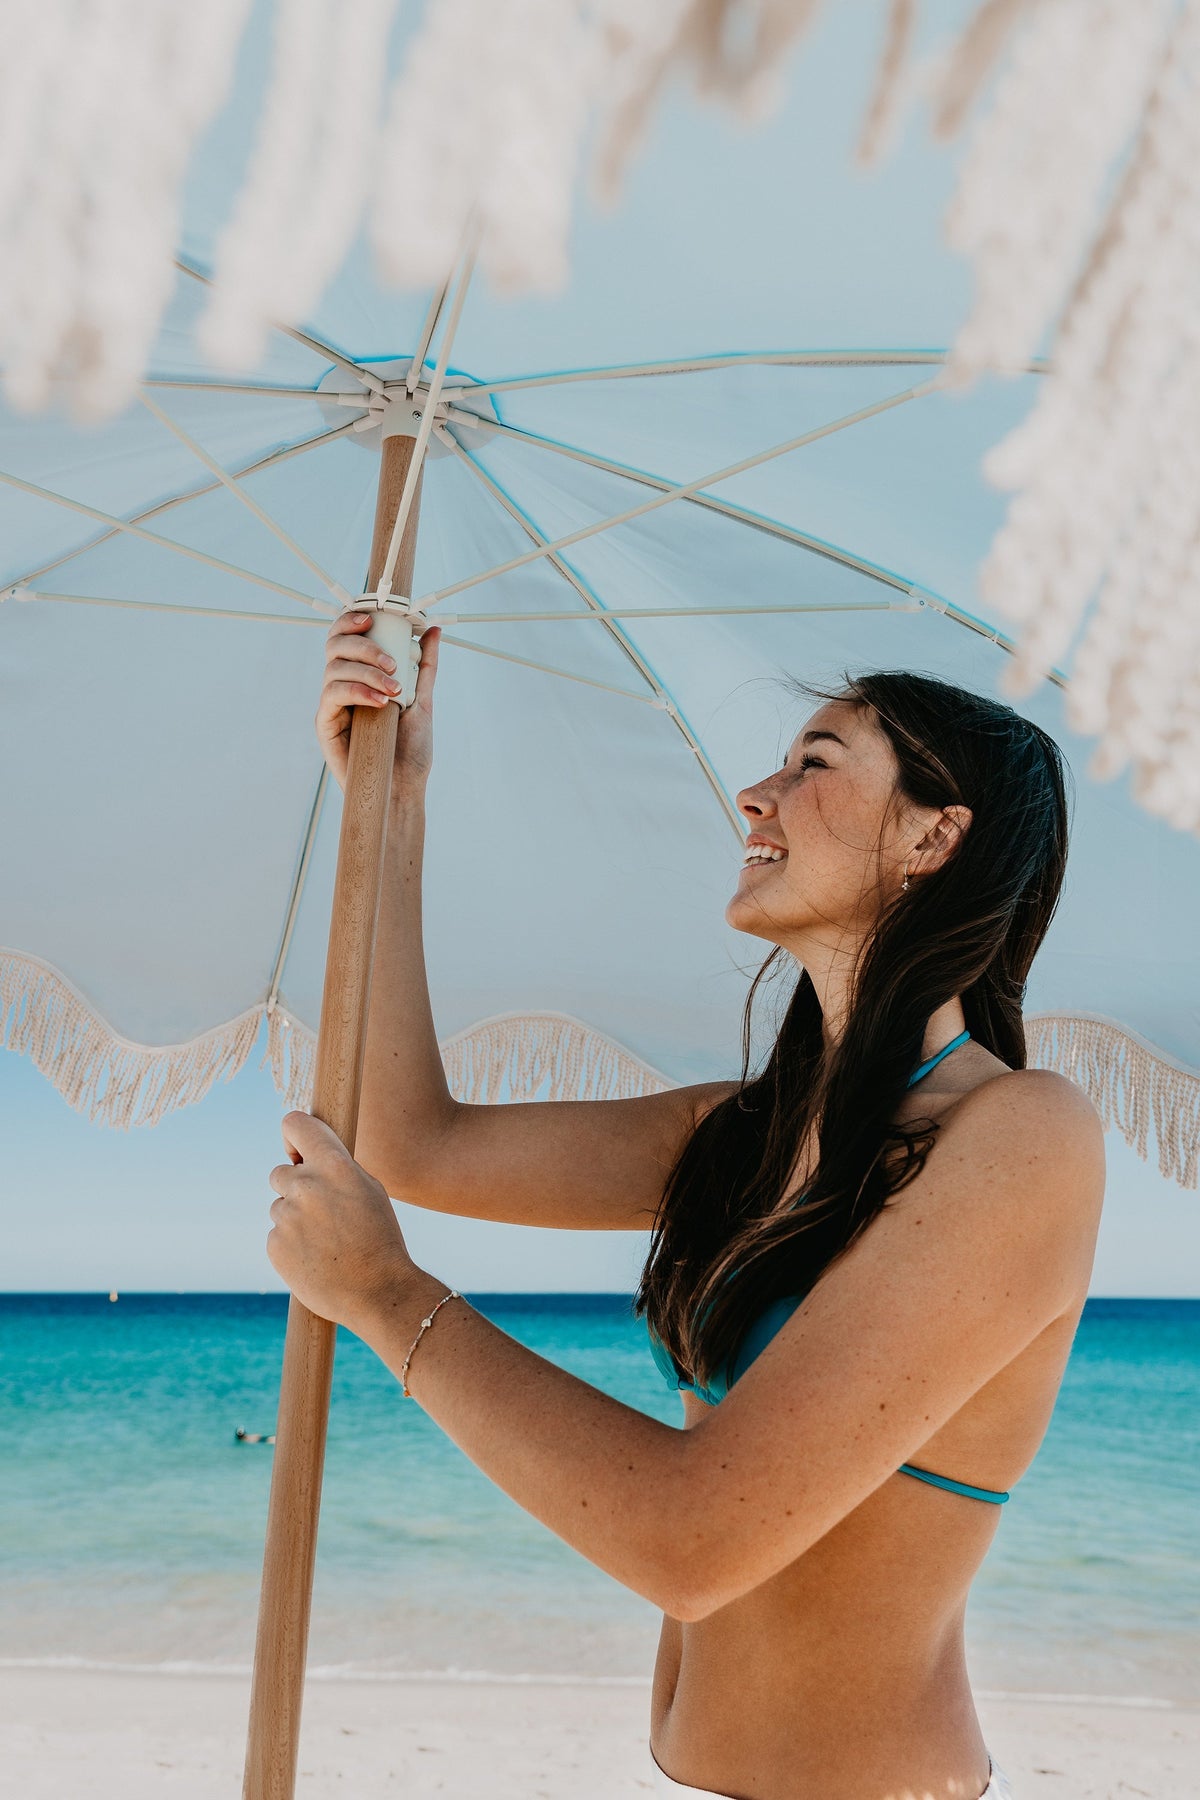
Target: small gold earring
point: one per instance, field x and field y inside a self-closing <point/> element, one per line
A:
<point x="904" y="886"/>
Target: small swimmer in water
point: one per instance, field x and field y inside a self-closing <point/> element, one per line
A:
<point x="253" y="1437"/>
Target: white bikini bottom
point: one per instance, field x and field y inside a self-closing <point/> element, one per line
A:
<point x="998" y="1787"/>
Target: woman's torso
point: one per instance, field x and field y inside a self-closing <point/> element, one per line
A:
<point x="843" y="1677"/>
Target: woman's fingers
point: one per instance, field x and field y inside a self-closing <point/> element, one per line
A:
<point x="347" y="645"/>
<point x="348" y="623"/>
<point x="308" y="1139"/>
<point x="360" y="672"/>
<point x="337" y="696"/>
<point x="355" y="646"/>
<point x="369" y="674"/>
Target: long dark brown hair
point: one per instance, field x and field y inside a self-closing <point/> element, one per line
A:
<point x="970" y="927"/>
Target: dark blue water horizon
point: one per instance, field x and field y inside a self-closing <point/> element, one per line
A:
<point x="517" y="1298"/>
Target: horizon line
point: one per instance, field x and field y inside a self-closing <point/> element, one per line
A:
<point x="482" y="1293"/>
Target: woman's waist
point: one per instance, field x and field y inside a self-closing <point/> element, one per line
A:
<point x="787" y="1666"/>
<point x="789" y="1705"/>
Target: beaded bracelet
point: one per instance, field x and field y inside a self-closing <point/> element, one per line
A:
<point x="425" y="1324"/>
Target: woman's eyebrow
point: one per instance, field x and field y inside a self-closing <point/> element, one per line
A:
<point x="814" y="737"/>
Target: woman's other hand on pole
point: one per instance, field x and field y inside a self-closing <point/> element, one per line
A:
<point x="335" y="1238"/>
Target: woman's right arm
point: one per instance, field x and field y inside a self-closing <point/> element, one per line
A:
<point x="593" y="1165"/>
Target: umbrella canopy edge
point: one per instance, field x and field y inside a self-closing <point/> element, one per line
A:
<point x="1135" y="1086"/>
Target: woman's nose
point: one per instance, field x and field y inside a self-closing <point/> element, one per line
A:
<point x="755" y="803"/>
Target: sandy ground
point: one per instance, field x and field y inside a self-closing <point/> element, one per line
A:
<point x="68" y="1733"/>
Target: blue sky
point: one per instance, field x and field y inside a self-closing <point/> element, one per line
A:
<point x="184" y="1207"/>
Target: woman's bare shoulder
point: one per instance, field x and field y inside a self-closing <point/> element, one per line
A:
<point x="1036" y="1090"/>
<point x="977" y="1071"/>
<point x="705" y="1096"/>
<point x="1033" y="1115"/>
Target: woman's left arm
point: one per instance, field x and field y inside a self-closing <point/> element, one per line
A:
<point x="957" y="1275"/>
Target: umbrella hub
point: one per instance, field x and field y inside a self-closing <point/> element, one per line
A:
<point x="395" y="412"/>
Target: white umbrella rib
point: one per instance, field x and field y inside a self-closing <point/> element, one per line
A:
<point x="741" y="515"/>
<point x="526" y="662"/>
<point x="959" y="616"/>
<point x="170" y="606"/>
<point x="424" y="430"/>
<point x="243" y="389"/>
<point x="231" y="482"/>
<point x="152" y="537"/>
<point x="775" y="528"/>
<point x="196" y="493"/>
<point x="317" y="345"/>
<point x="696" y="365"/>
<point x="750" y="610"/>
<point x="678" y="493"/>
<point x="293" y="905"/>
<point x="921" y="597"/>
<point x="426" y="338"/>
<point x="597" y="608"/>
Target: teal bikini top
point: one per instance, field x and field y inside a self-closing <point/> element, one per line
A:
<point x="763" y="1329"/>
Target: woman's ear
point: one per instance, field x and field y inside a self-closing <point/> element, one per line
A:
<point x="944" y="836"/>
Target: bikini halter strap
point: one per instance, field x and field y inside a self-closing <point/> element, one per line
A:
<point x="933" y="1061"/>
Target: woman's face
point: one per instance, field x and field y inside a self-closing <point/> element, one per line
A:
<point x="827" y="840"/>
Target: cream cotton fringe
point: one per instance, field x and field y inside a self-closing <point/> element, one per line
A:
<point x="515" y="1056"/>
<point x="522" y="1056"/>
<point x="110" y="1078"/>
<point x="1130" y="1084"/>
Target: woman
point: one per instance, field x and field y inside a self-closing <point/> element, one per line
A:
<point x="812" y="1532"/>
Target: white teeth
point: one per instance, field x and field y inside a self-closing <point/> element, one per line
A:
<point x="762" y="853"/>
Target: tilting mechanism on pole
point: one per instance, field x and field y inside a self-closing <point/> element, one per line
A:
<point x="397" y="625"/>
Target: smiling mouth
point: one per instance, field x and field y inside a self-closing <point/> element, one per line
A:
<point x="759" y="857"/>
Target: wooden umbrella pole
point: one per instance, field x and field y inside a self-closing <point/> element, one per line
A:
<point x="286" y="1595"/>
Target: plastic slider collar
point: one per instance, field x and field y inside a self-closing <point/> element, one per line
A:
<point x="397" y="626"/>
<point x="390" y="603"/>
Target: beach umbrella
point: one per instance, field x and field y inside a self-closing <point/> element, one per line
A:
<point x="1076" y="206"/>
<point x="721" y="455"/>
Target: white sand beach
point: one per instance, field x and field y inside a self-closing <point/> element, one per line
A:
<point x="130" y="1736"/>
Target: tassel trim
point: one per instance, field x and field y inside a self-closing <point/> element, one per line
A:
<point x="97" y="1071"/>
<point x="116" y="1081"/>
<point x="513" y="1056"/>
<point x="546" y="1056"/>
<point x="291" y="1054"/>
<point x="1131" y="1084"/>
<point x="523" y="1056"/>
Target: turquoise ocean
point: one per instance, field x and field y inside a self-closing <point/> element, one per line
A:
<point x="131" y="1518"/>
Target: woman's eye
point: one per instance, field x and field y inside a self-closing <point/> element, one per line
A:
<point x="811" y="762"/>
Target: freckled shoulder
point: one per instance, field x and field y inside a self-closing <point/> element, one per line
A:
<point x="1033" y="1119"/>
<point x="1040" y="1093"/>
